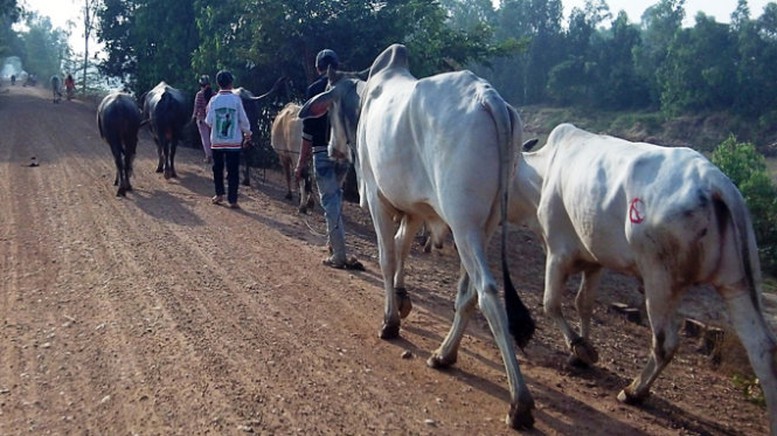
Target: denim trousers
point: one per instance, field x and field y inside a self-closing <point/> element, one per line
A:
<point x="329" y="178"/>
<point x="232" y="160"/>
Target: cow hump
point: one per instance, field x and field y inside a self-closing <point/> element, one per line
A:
<point x="395" y="56"/>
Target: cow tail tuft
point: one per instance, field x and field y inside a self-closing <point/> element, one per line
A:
<point x="519" y="319"/>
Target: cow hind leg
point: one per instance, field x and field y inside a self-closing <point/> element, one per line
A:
<point x="471" y="250"/>
<point x="403" y="240"/>
<point x="447" y="354"/>
<point x="760" y="343"/>
<point x="661" y="301"/>
<point x="583" y="352"/>
<point x="384" y="230"/>
<point x="555" y="280"/>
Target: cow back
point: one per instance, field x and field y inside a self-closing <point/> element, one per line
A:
<point x="286" y="133"/>
<point x="118" y="116"/>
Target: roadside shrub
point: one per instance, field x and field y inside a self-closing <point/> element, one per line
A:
<point x="742" y="163"/>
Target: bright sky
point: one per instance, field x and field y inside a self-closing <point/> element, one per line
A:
<point x="60" y="11"/>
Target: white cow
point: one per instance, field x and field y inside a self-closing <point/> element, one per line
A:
<point x="440" y="150"/>
<point x="286" y="139"/>
<point x="665" y="215"/>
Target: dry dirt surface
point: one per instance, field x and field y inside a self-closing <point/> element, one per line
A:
<point x="160" y="314"/>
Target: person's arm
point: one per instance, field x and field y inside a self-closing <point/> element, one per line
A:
<point x="304" y="156"/>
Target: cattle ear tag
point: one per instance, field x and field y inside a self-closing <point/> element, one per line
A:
<point x="637" y="210"/>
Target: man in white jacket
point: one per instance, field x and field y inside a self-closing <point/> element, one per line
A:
<point x="229" y="127"/>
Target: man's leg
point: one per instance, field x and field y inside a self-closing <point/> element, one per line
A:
<point x="233" y="175"/>
<point x="218" y="174"/>
<point x="331" y="200"/>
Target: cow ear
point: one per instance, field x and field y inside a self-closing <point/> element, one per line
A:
<point x="317" y="106"/>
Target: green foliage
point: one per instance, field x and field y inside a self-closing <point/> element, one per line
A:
<point x="750" y="388"/>
<point x="44" y="47"/>
<point x="747" y="169"/>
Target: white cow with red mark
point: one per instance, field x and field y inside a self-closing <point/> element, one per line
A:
<point x="665" y="215"/>
<point x="438" y="150"/>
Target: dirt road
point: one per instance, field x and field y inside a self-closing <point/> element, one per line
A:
<point x="161" y="313"/>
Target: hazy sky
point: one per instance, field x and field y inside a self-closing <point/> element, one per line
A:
<point x="60" y="11"/>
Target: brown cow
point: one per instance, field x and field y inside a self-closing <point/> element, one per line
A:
<point x="286" y="140"/>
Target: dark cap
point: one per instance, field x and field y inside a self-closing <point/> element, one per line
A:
<point x="224" y="78"/>
<point x="325" y="58"/>
<point x="204" y="80"/>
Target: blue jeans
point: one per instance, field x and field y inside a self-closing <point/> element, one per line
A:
<point x="329" y="178"/>
<point x="232" y="160"/>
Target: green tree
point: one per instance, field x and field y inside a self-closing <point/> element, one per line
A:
<point x="660" y="24"/>
<point x="747" y="169"/>
<point x="698" y="70"/>
<point x="44" y="47"/>
<point x="9" y="14"/>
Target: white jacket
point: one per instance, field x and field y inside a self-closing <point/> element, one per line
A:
<point x="227" y="120"/>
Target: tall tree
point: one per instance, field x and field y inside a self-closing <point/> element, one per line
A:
<point x="660" y="24"/>
<point x="89" y="13"/>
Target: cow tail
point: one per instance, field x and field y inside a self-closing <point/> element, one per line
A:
<point x="508" y="128"/>
<point x="730" y="205"/>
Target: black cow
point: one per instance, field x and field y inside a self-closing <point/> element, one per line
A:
<point x="166" y="111"/>
<point x="118" y="119"/>
<point x="253" y="108"/>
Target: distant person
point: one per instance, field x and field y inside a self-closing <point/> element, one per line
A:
<point x="70" y="86"/>
<point x="13" y="79"/>
<point x="56" y="88"/>
<point x="201" y="100"/>
<point x="229" y="130"/>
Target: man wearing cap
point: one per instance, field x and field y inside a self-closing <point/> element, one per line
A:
<point x="201" y="100"/>
<point x="329" y="172"/>
<point x="229" y="130"/>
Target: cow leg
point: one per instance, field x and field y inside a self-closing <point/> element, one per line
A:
<point x="760" y="343"/>
<point x="173" y="147"/>
<point x="473" y="257"/>
<point x="160" y="153"/>
<point x="583" y="352"/>
<point x="556" y="267"/>
<point x="403" y="240"/>
<point x="287" y="171"/>
<point x="387" y="257"/>
<point x="447" y="354"/>
<point x="130" y="146"/>
<point x="117" y="159"/>
<point x="661" y="301"/>
<point x="246" y="167"/>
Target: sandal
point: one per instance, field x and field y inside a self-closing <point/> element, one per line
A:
<point x="218" y="199"/>
<point x="234" y="206"/>
<point x="350" y="264"/>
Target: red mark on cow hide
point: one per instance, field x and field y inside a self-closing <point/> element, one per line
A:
<point x="635" y="211"/>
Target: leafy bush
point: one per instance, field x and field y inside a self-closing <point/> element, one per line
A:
<point x="747" y="169"/>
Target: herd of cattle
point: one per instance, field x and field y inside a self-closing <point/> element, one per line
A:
<point x="444" y="152"/>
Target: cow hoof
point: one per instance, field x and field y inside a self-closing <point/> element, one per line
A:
<point x="287" y="196"/>
<point x="520" y="417"/>
<point x="583" y="353"/>
<point x="302" y="210"/>
<point x="159" y="169"/>
<point x="437" y="361"/>
<point x="173" y="175"/>
<point x="405" y="303"/>
<point x="121" y="193"/>
<point x="246" y="182"/>
<point x="310" y="203"/>
<point x="627" y="397"/>
<point x="389" y="331"/>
